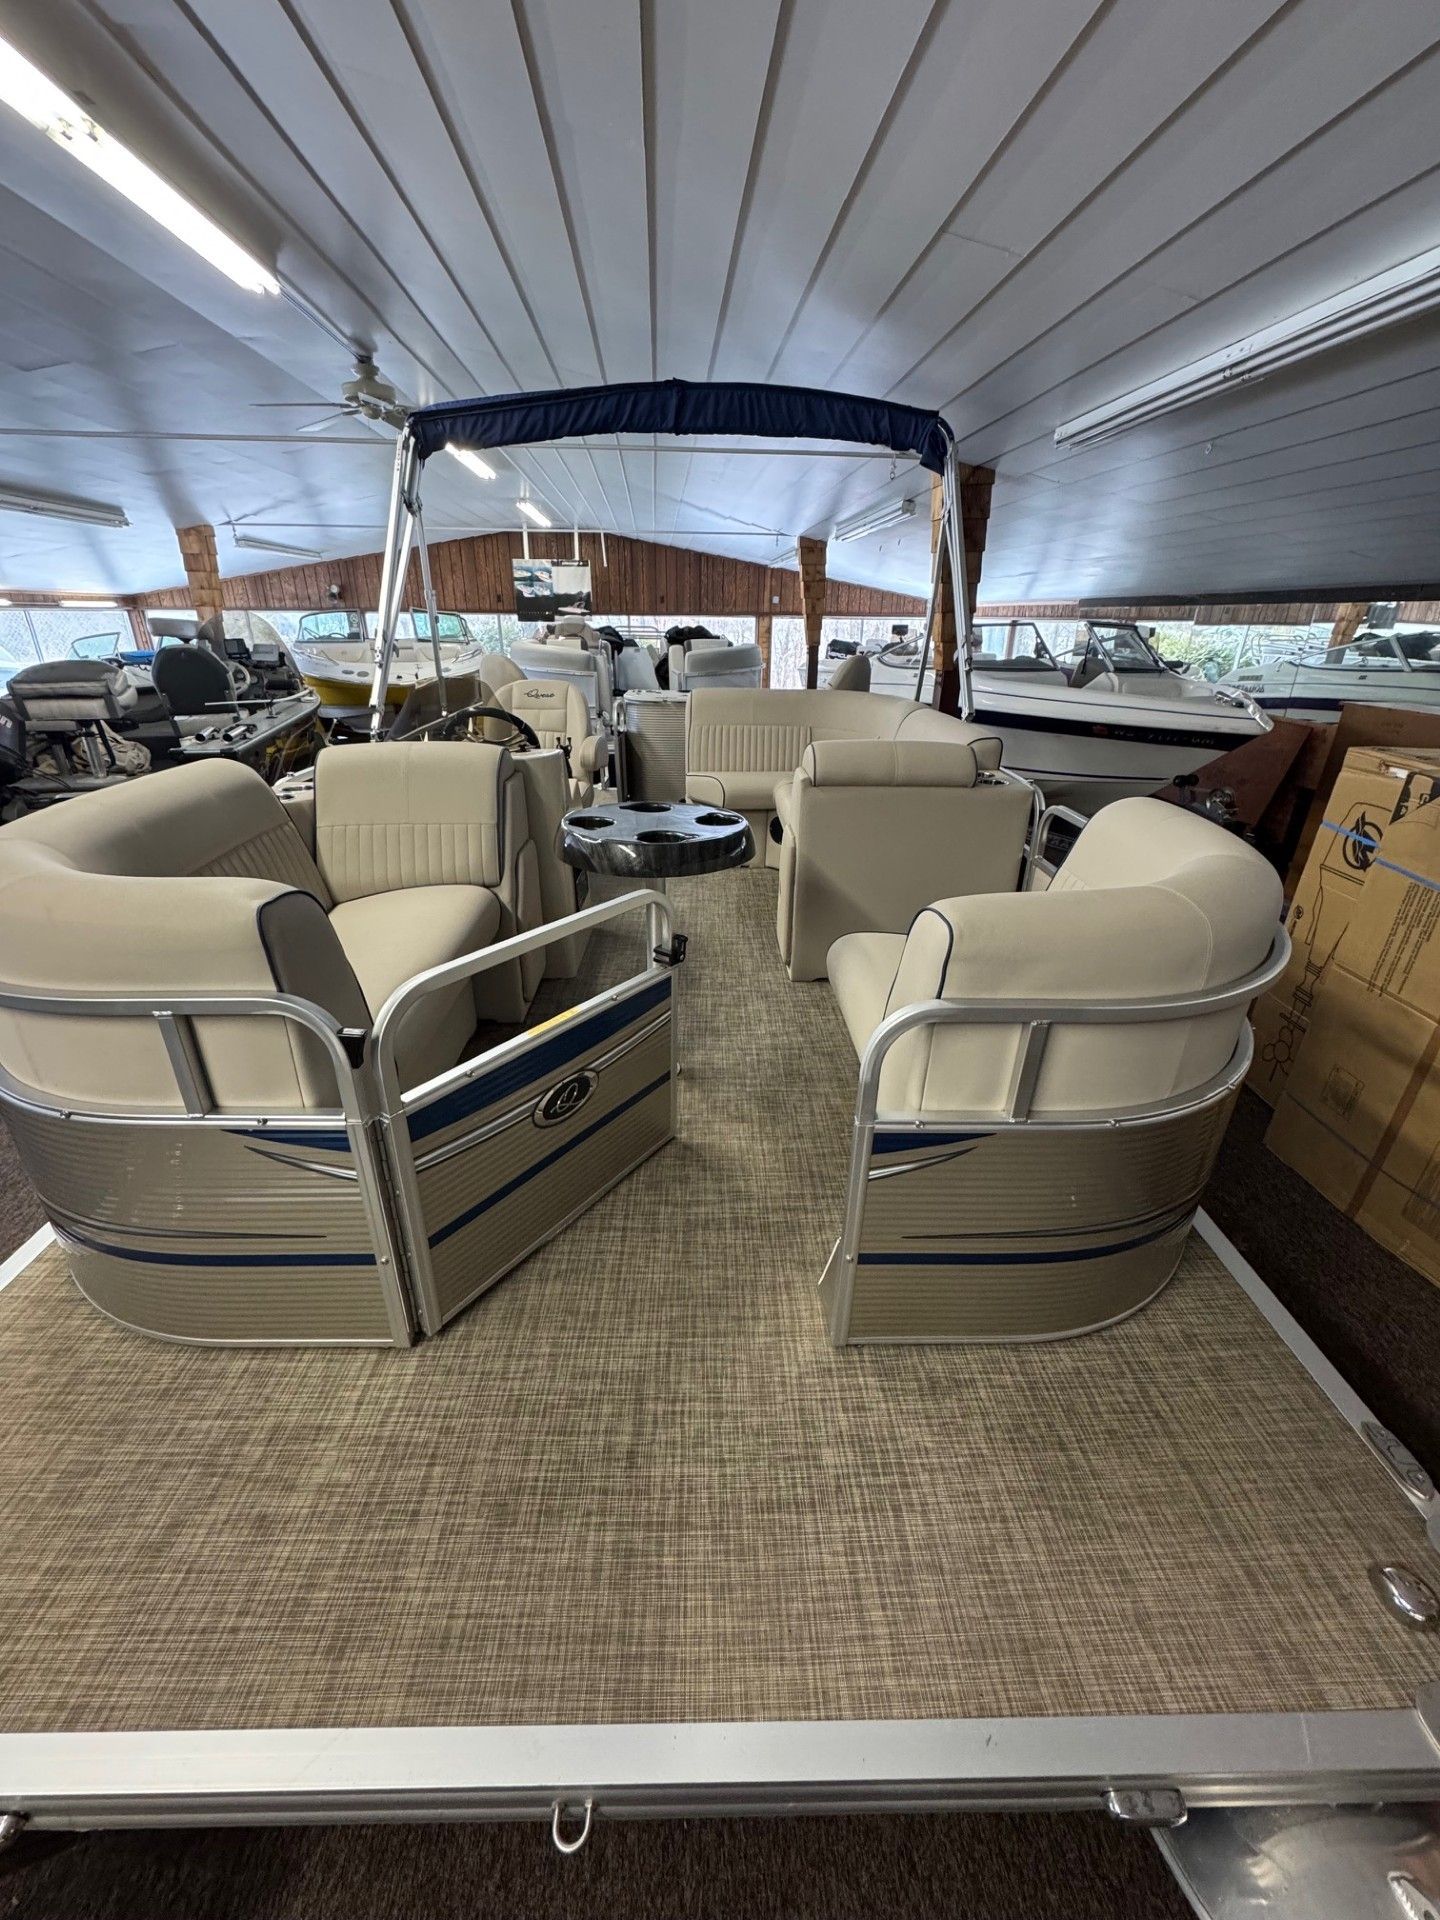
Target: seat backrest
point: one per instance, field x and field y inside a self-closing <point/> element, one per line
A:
<point x="852" y="675"/>
<point x="496" y="670"/>
<point x="54" y="696"/>
<point x="410" y="813"/>
<point x="877" y="829"/>
<point x="714" y="664"/>
<point x="738" y="742"/>
<point x="193" y="880"/>
<point x="1162" y="902"/>
<point x="191" y="680"/>
<point x="553" y="709"/>
<point x="587" y="668"/>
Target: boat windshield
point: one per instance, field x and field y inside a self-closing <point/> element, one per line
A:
<point x="1119" y="647"/>
<point x="95" y="646"/>
<point x="330" y="629"/>
<point x="1371" y="651"/>
<point x="1009" y="643"/>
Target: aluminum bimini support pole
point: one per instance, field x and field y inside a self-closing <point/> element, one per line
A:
<point x="432" y="611"/>
<point x="399" y="533"/>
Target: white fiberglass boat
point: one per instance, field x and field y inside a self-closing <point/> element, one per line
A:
<point x="1387" y="669"/>
<point x="334" y="655"/>
<point x="1105" y="720"/>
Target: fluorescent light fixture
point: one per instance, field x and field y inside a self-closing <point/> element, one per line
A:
<point x="890" y="514"/>
<point x="532" y="512"/>
<point x="89" y="606"/>
<point x="482" y="469"/>
<point x="254" y="542"/>
<point x="25" y="88"/>
<point x="1384" y="300"/>
<point x="58" y="506"/>
<point x="6" y="603"/>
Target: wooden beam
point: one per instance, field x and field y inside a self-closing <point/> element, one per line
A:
<point x="812" y="601"/>
<point x="764" y="625"/>
<point x="202" y="569"/>
<point x="976" y="485"/>
<point x="1348" y="621"/>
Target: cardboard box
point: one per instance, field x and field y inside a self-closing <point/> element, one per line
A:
<point x="1359" y="1114"/>
<point x="1373" y="790"/>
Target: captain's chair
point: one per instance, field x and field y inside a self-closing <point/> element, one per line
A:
<point x="587" y="668"/>
<point x="558" y="716"/>
<point x="194" y="683"/>
<point x="1045" y="1161"/>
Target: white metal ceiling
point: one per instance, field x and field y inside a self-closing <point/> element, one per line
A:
<point x="1009" y="209"/>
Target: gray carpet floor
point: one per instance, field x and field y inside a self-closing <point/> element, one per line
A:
<point x="1375" y="1318"/>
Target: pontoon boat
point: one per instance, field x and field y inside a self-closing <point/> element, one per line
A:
<point x="866" y="1421"/>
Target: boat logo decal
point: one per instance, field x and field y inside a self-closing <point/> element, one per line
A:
<point x="565" y="1098"/>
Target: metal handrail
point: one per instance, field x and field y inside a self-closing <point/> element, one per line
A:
<point x="1042" y="832"/>
<point x="174" y="1014"/>
<point x="452" y="972"/>
<point x="1036" y="1018"/>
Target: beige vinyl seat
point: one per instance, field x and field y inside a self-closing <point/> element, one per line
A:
<point x="873" y="830"/>
<point x="198" y="880"/>
<point x="1104" y="1131"/>
<point x="556" y="712"/>
<point x="572" y="651"/>
<point x="744" y="744"/>
<point x="715" y="663"/>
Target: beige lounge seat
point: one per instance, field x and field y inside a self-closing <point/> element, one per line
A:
<point x="1153" y="903"/>
<point x="556" y="712"/>
<point x="740" y="742"/>
<point x="872" y="830"/>
<point x="198" y="880"/>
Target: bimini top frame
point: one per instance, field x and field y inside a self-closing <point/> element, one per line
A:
<point x="681" y="407"/>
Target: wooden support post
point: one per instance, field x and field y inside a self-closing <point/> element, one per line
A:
<point x="764" y="627"/>
<point x="812" y="601"/>
<point x="1348" y="622"/>
<point x="202" y="570"/>
<point x="976" y="484"/>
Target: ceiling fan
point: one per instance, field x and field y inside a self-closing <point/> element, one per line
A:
<point x="365" y="396"/>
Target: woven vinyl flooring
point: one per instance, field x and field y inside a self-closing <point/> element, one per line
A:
<point x="634" y="1482"/>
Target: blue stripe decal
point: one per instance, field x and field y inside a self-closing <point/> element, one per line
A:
<point x="542" y="1061"/>
<point x="918" y="1142"/>
<point x="145" y="1258"/>
<point x="1378" y="859"/>
<point x="1048" y="1258"/>
<point x="521" y="1179"/>
<point x="328" y="1140"/>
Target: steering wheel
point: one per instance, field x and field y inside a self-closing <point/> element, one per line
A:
<point x="454" y="726"/>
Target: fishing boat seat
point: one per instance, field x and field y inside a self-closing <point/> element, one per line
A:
<point x="742" y="746"/>
<point x="1046" y="1160"/>
<point x="872" y="830"/>
<point x="194" y="683"/>
<point x="556" y="713"/>
<point x="852" y="675"/>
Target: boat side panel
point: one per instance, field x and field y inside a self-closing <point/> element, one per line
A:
<point x="200" y="1231"/>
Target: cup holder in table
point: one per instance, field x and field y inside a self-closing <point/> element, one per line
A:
<point x="590" y="821"/>
<point x="663" y="837"/>
<point x="647" y="806"/>
<point x="719" y="819"/>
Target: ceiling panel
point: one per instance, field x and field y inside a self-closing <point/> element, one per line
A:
<point x="1011" y="209"/>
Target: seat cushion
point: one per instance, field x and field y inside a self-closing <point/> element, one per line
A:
<point x="390" y="937"/>
<point x="862" y="969"/>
